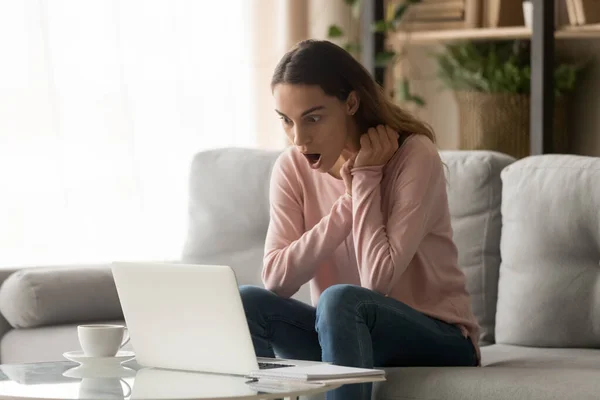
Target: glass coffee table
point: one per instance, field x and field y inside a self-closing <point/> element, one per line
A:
<point x="68" y="380"/>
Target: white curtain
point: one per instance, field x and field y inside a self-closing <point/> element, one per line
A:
<point x="102" y="105"/>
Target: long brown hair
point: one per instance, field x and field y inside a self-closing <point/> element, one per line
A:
<point x="322" y="63"/>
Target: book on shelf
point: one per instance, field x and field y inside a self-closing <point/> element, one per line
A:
<point x="436" y="1"/>
<point x="431" y="15"/>
<point x="585" y="11"/>
<point x="453" y="10"/>
<point x="572" y="12"/>
<point x="502" y="13"/>
<point x="435" y="15"/>
<point x="453" y="5"/>
<point x="473" y="13"/>
<point x="419" y="26"/>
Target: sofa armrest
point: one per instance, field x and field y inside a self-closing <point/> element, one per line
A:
<point x="32" y="297"/>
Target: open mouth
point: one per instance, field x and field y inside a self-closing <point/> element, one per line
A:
<point x="314" y="159"/>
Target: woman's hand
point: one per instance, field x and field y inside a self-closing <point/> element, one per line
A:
<point x="347" y="175"/>
<point x="377" y="147"/>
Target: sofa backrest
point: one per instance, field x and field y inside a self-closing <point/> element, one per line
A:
<point x="228" y="210"/>
<point x="474" y="196"/>
<point x="549" y="287"/>
<point x="229" y="216"/>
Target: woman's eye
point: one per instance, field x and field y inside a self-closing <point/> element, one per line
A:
<point x="285" y="120"/>
<point x="314" y="118"/>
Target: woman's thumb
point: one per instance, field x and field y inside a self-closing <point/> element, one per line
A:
<point x="345" y="171"/>
<point x="346" y="167"/>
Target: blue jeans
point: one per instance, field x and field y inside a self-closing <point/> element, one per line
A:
<point x="352" y="326"/>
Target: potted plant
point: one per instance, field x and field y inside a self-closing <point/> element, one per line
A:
<point x="491" y="83"/>
<point x="388" y="58"/>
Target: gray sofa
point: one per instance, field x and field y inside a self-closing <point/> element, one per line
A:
<point x="528" y="234"/>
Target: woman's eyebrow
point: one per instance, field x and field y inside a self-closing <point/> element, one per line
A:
<point x="312" y="109"/>
<point x="316" y="108"/>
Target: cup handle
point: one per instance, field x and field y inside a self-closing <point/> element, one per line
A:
<point x="126" y="384"/>
<point x="126" y="340"/>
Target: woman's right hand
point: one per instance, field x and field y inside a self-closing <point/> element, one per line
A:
<point x="347" y="175"/>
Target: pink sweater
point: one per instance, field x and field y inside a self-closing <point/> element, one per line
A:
<point x="392" y="236"/>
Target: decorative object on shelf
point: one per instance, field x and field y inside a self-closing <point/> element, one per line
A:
<point x="528" y="13"/>
<point x="388" y="58"/>
<point x="491" y="84"/>
<point x="435" y="15"/>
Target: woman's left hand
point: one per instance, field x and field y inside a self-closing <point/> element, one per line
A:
<point x="377" y="146"/>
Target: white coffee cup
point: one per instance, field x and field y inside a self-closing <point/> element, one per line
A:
<point x="98" y="340"/>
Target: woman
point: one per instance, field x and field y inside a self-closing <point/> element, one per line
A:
<point x="359" y="209"/>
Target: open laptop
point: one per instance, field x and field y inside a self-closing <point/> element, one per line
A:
<point x="188" y="317"/>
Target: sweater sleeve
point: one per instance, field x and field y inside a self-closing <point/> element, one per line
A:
<point x="385" y="245"/>
<point x="292" y="253"/>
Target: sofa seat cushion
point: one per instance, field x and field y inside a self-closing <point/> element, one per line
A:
<point x="46" y="343"/>
<point x="34" y="297"/>
<point x="508" y="373"/>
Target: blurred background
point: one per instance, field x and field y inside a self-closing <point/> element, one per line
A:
<point x="103" y="103"/>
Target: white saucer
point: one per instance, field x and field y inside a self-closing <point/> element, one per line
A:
<point x="113" y="371"/>
<point x="80" y="358"/>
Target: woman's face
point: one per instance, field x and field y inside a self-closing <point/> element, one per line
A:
<point x="320" y="126"/>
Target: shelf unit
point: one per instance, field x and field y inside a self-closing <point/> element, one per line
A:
<point x="504" y="33"/>
<point x="543" y="36"/>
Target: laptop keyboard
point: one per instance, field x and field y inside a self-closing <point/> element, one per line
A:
<point x="268" y="365"/>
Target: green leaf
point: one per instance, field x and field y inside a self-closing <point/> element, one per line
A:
<point x="496" y="67"/>
<point x="403" y="93"/>
<point x="405" y="88"/>
<point x="400" y="10"/>
<point x="383" y="58"/>
<point x="352" y="47"/>
<point x="335" y="32"/>
<point x="380" y="26"/>
<point x="418" y="100"/>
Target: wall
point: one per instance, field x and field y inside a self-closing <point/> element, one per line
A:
<point x="275" y="26"/>
<point x="584" y="112"/>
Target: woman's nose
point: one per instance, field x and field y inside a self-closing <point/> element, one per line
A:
<point x="301" y="137"/>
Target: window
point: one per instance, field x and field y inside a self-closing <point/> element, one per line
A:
<point x="103" y="103"/>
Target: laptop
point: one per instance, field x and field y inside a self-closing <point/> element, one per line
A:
<point x="189" y="317"/>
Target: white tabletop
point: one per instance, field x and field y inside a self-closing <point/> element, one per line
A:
<point x="66" y="380"/>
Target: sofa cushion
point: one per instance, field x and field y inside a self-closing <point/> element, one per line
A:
<point x="549" y="287"/>
<point x="474" y="196"/>
<point x="45" y="343"/>
<point x="508" y="373"/>
<point x="34" y="297"/>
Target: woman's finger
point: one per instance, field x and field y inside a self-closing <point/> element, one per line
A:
<point x="376" y="140"/>
<point x="392" y="137"/>
<point x="365" y="142"/>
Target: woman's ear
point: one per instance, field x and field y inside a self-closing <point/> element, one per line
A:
<point x="352" y="103"/>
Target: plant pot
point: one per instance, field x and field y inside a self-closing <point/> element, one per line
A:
<point x="500" y="122"/>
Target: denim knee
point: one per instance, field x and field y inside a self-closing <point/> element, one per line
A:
<point x="253" y="297"/>
<point x="336" y="300"/>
